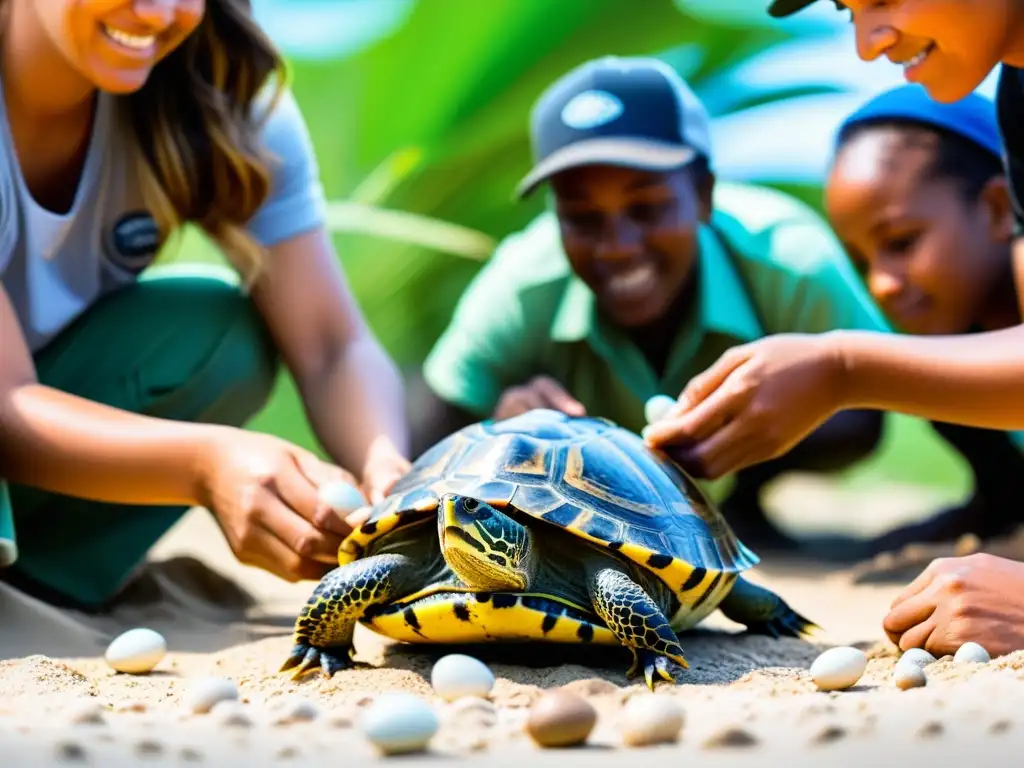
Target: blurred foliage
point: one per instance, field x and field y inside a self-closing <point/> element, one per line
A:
<point x="433" y="120"/>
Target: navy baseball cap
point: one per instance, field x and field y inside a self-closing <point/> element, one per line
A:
<point x="972" y="117"/>
<point x="782" y="8"/>
<point x="627" y="111"/>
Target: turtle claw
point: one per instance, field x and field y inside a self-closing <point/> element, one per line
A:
<point x="654" y="664"/>
<point x="304" y="658"/>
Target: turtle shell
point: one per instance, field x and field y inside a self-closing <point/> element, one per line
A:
<point x="585" y="475"/>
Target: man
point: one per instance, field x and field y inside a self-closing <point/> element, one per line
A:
<point x="643" y="274"/>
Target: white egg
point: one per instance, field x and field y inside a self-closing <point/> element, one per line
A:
<point x="399" y="723"/>
<point x="206" y="692"/>
<point x="972" y="652"/>
<point x="918" y="656"/>
<point x="656" y="407"/>
<point x="341" y="496"/>
<point x="649" y="719"/>
<point x="136" y="651"/>
<point x="457" y="675"/>
<point x="909" y="674"/>
<point x="838" y="668"/>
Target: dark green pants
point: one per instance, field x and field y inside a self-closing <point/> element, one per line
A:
<point x="183" y="343"/>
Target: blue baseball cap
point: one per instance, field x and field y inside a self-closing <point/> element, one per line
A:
<point x="972" y="117"/>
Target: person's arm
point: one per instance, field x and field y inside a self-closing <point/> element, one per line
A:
<point x="351" y="389"/>
<point x="73" y="446"/>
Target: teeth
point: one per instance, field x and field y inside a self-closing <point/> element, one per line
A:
<point x="128" y="40"/>
<point x="632" y="280"/>
<point x="917" y="59"/>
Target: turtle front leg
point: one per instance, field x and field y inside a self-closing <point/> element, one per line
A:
<point x="324" y="628"/>
<point x="635" y="618"/>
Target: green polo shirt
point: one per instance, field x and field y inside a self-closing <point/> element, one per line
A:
<point x="767" y="264"/>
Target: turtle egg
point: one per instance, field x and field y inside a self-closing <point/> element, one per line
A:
<point x="560" y="719"/>
<point x="918" y="656"/>
<point x="656" y="408"/>
<point x="399" y="723"/>
<point x="838" y="668"/>
<point x="650" y="719"/>
<point x="341" y="496"/>
<point x="136" y="651"/>
<point x="457" y="675"/>
<point x="971" y="652"/>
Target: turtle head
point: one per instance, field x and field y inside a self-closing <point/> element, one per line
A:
<point x="486" y="548"/>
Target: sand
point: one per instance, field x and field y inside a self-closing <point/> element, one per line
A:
<point x="747" y="700"/>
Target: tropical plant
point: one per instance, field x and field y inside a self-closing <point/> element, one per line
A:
<point x="418" y="110"/>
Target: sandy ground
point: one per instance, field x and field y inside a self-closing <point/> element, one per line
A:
<point x="747" y="700"/>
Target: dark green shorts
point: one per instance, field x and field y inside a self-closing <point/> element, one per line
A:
<point x="182" y="343"/>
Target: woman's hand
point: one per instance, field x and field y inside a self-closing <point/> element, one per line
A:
<point x="755" y="403"/>
<point x="977" y="598"/>
<point x="263" y="492"/>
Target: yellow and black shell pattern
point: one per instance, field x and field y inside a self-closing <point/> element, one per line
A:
<point x="585" y="475"/>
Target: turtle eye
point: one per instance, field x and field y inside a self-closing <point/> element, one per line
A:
<point x="470" y="504"/>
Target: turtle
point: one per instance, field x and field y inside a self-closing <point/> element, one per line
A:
<point x="539" y="527"/>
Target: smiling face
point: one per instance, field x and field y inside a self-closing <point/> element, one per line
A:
<point x="631" y="236"/>
<point x="934" y="258"/>
<point x="116" y="43"/>
<point x="948" y="46"/>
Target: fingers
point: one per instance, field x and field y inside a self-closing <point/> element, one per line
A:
<point x="910" y="613"/>
<point x="919" y="636"/>
<point x="698" y="424"/>
<point x="275" y="557"/>
<point x="922" y="582"/>
<point x="516" y="401"/>
<point x="300" y="491"/>
<point x="722" y="453"/>
<point x="553" y="395"/>
<point x="703" y="384"/>
<point x="297" y="533"/>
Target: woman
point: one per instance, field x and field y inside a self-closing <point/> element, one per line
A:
<point x="759" y="400"/>
<point x="121" y="396"/>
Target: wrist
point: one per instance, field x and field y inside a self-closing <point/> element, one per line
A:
<point x="843" y="365"/>
<point x="206" y="459"/>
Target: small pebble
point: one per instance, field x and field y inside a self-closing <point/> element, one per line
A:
<point x="70" y="752"/>
<point x="829" y="734"/>
<point x="838" y="668"/>
<point x="930" y="730"/>
<point x="231" y="714"/>
<point x="729" y="736"/>
<point x="295" y="709"/>
<point x="971" y="652"/>
<point x="1000" y="726"/>
<point x="457" y="675"/>
<point x="560" y="719"/>
<point x="131" y="706"/>
<point x="341" y="496"/>
<point x="149" y="748"/>
<point x="190" y="755"/>
<point x="649" y="719"/>
<point x="136" y="651"/>
<point x="656" y="407"/>
<point x="907" y="675"/>
<point x="86" y="713"/>
<point x="918" y="656"/>
<point x="206" y="692"/>
<point x="399" y="723"/>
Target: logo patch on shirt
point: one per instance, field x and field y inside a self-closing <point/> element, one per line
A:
<point x="134" y="241"/>
<point x="591" y="109"/>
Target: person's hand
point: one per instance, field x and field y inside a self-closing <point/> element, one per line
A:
<point x="753" y="404"/>
<point x="263" y="492"/>
<point x="538" y="392"/>
<point x="384" y="466"/>
<point x="955" y="600"/>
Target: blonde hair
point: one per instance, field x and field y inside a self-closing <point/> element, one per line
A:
<point x="199" y="157"/>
